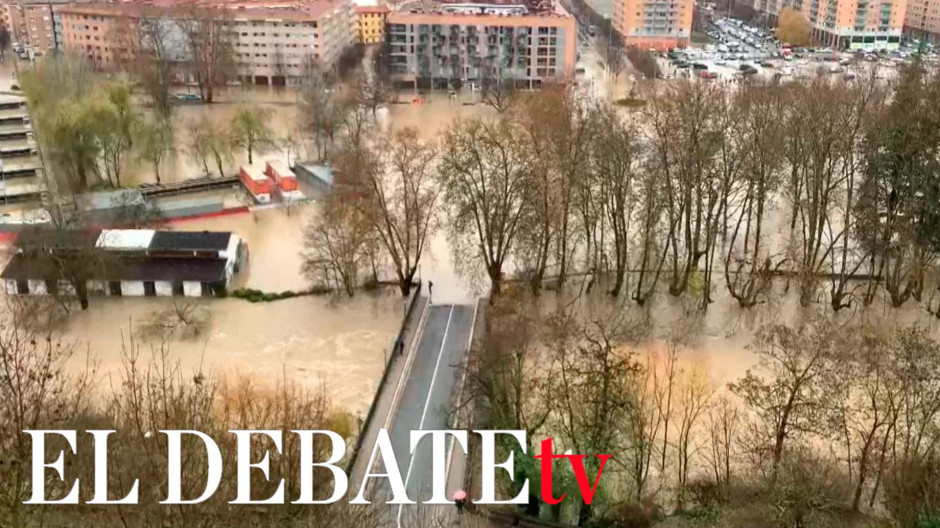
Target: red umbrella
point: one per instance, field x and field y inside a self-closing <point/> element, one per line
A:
<point x="460" y="495"/>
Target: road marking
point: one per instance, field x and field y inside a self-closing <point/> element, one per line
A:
<point x="427" y="402"/>
<point x="393" y="410"/>
<point x="409" y="361"/>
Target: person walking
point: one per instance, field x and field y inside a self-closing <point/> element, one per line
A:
<point x="460" y="500"/>
<point x="430" y="290"/>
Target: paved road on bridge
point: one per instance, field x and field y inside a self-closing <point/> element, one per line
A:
<point x="432" y="381"/>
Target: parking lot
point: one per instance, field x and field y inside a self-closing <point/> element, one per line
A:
<point x="739" y="51"/>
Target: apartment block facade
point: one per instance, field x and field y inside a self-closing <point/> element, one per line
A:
<point x="272" y="43"/>
<point x="869" y="25"/>
<point x="923" y="20"/>
<point x="370" y="22"/>
<point x="31" y="24"/>
<point x="441" y="44"/>
<point x="653" y="24"/>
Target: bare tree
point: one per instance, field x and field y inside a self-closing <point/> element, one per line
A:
<point x="210" y="47"/>
<point x="156" y="65"/>
<point x="615" y="159"/>
<point x="685" y="138"/>
<point x="755" y="163"/>
<point x="497" y="90"/>
<point x="593" y="367"/>
<point x="336" y="241"/>
<point x="323" y="111"/>
<point x="484" y="171"/>
<point x="793" y="399"/>
<point x="209" y="144"/>
<point x="37" y="391"/>
<point x="401" y="190"/>
<point x="724" y="420"/>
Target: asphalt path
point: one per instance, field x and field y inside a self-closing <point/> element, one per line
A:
<point x="426" y="397"/>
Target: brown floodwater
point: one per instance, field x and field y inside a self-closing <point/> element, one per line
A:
<point x="334" y="342"/>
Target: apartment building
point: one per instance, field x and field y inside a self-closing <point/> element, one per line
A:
<point x="370" y="21"/>
<point x="31" y="24"/>
<point x="271" y="41"/>
<point x="653" y="24"/>
<point x="20" y="170"/>
<point x="923" y="20"/>
<point x="869" y="25"/>
<point x="527" y="42"/>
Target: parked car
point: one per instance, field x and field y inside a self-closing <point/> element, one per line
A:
<point x="188" y="97"/>
<point x="767" y="64"/>
<point x="699" y="66"/>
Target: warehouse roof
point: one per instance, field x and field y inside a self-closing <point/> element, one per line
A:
<point x="44" y="238"/>
<point x="190" y="241"/>
<point x="125" y="238"/>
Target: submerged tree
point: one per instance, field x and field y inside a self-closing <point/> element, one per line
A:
<point x="400" y="197"/>
<point x="250" y="130"/>
<point x="484" y="174"/>
<point x="336" y="244"/>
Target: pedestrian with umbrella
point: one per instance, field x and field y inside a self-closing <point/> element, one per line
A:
<point x="460" y="499"/>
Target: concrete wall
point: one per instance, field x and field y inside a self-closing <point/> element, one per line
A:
<point x="192" y="289"/>
<point x="132" y="288"/>
<point x="164" y="288"/>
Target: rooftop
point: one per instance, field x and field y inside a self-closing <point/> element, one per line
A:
<point x="484" y="7"/>
<point x="190" y="241"/>
<point x="293" y="10"/>
<point x="45" y="238"/>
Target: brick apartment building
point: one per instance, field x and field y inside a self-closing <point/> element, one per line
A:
<point x="923" y="20"/>
<point x="848" y="24"/>
<point x="31" y="24"/>
<point x="653" y="24"/>
<point x="528" y="42"/>
<point x="272" y="41"/>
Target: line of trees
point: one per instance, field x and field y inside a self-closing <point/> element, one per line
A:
<point x="832" y="421"/>
<point x="830" y="186"/>
<point x="827" y="189"/>
<point x="88" y="128"/>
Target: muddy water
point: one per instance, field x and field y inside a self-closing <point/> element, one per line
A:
<point x="275" y="243"/>
<point x="435" y="112"/>
<point x="180" y="164"/>
<point x="313" y="341"/>
<point x="337" y="343"/>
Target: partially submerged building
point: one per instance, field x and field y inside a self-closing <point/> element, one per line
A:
<point x="135" y="262"/>
<point x="20" y="170"/>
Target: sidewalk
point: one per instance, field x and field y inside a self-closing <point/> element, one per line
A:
<point x="457" y="465"/>
<point x="386" y="404"/>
